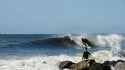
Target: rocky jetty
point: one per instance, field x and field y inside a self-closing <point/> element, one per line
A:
<point x="91" y="64"/>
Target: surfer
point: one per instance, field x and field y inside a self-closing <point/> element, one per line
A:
<point x="85" y="53"/>
<point x="84" y="40"/>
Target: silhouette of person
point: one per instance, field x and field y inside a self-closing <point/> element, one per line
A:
<point x="86" y="41"/>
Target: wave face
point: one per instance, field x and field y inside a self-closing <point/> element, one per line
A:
<point x="7" y="40"/>
<point x="62" y="42"/>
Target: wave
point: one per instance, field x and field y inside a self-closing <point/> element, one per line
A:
<point x="112" y="41"/>
<point x="63" y="42"/>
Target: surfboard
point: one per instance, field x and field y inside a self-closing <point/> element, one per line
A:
<point x="91" y="56"/>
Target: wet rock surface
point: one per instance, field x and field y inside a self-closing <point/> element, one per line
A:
<point x="91" y="64"/>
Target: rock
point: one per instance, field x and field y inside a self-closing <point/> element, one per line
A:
<point x="91" y="62"/>
<point x="99" y="66"/>
<point x="120" y="66"/>
<point x="120" y="61"/>
<point x="112" y="63"/>
<point x="83" y="65"/>
<point x="92" y="65"/>
<point x="65" y="64"/>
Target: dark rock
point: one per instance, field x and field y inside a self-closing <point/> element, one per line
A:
<point x="83" y="65"/>
<point x="95" y="66"/>
<point x="120" y="61"/>
<point x="112" y="63"/>
<point x="65" y="64"/>
<point x="99" y="66"/>
<point x="106" y="67"/>
<point x="91" y="62"/>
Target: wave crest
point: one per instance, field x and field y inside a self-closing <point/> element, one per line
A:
<point x="64" y="42"/>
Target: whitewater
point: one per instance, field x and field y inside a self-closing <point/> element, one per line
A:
<point x="46" y="51"/>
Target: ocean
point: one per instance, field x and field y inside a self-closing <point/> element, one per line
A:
<point x="46" y="51"/>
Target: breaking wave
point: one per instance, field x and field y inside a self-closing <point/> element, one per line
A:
<point x="112" y="42"/>
<point x="63" y="42"/>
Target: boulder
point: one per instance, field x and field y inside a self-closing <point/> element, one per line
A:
<point x="65" y="64"/>
<point x="82" y="65"/>
<point x="91" y="62"/>
<point x="112" y="63"/>
<point x="99" y="66"/>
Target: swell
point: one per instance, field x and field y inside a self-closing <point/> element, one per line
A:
<point x="113" y="41"/>
<point x="62" y="42"/>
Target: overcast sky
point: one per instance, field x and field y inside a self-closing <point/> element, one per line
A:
<point x="62" y="16"/>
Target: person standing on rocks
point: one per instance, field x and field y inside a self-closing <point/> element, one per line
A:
<point x="86" y="54"/>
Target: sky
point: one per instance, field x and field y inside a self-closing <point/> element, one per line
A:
<point x="62" y="16"/>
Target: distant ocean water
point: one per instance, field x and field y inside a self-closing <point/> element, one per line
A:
<point x="31" y="51"/>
